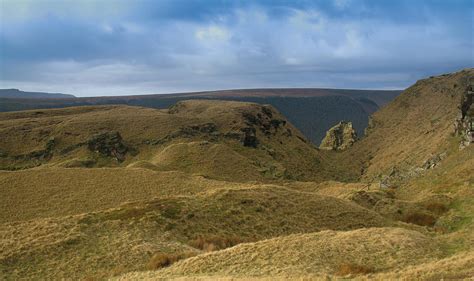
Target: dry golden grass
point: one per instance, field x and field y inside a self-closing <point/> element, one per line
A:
<point x="353" y="269"/>
<point x="160" y="260"/>
<point x="76" y="248"/>
<point x="412" y="128"/>
<point x="213" y="242"/>
<point x="198" y="207"/>
<point x="456" y="267"/>
<point x="318" y="254"/>
<point x="124" y="238"/>
<point x="53" y="192"/>
<point x="204" y="158"/>
<point x="166" y="139"/>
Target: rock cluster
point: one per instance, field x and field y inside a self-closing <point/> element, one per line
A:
<point x="433" y="161"/>
<point x="263" y="121"/>
<point x="464" y="125"/>
<point x="108" y="144"/>
<point x="255" y="122"/>
<point x="249" y="137"/>
<point x="339" y="137"/>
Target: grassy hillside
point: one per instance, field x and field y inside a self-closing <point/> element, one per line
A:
<point x="416" y="127"/>
<point x="216" y="139"/>
<point x="230" y="190"/>
<point x="312" y="111"/>
<point x="125" y="237"/>
<point x="322" y="254"/>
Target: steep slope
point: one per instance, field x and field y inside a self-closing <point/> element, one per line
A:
<point x="417" y="127"/>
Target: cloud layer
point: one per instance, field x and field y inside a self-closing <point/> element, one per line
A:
<point x="137" y="47"/>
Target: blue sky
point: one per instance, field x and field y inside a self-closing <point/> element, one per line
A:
<point x="118" y="47"/>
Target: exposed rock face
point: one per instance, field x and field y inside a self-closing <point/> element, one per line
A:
<point x="339" y="137"/>
<point x="433" y="161"/>
<point x="464" y="125"/>
<point x="108" y="144"/>
<point x="249" y="138"/>
<point x="264" y="122"/>
<point x="208" y="130"/>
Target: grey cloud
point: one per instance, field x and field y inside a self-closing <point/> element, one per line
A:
<point x="227" y="46"/>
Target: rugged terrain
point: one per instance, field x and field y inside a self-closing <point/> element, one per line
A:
<point x="312" y="111"/>
<point x="222" y="189"/>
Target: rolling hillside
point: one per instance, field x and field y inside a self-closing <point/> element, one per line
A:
<point x="216" y="139"/>
<point x="232" y="190"/>
<point x="312" y="111"/>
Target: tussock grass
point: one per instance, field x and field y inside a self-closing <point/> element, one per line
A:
<point x="213" y="242"/>
<point x="353" y="269"/>
<point x="53" y="192"/>
<point x="160" y="260"/>
<point x="437" y="208"/>
<point x="316" y="254"/>
<point x="192" y="201"/>
<point x="124" y="238"/>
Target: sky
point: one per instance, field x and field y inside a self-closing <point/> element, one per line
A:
<point x="121" y="47"/>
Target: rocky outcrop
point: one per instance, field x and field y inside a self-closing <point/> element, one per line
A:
<point x="207" y="130"/>
<point x="249" y="137"/>
<point x="464" y="125"/>
<point x="108" y="144"/>
<point x="339" y="137"/>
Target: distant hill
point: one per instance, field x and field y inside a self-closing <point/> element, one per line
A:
<point x="312" y="111"/>
<point x="17" y="94"/>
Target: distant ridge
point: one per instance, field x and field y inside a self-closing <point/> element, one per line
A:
<point x="313" y="111"/>
<point x="17" y="94"/>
